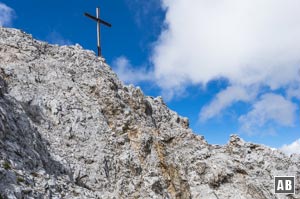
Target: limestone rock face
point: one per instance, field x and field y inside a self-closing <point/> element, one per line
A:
<point x="70" y="129"/>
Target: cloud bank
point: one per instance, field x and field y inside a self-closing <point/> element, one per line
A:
<point x="55" y="37"/>
<point x="6" y="15"/>
<point x="251" y="43"/>
<point x="225" y="99"/>
<point x="247" y="42"/>
<point x="291" y="148"/>
<point x="271" y="108"/>
<point x="128" y="74"/>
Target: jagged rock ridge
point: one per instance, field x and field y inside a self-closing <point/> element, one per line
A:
<point x="70" y="129"/>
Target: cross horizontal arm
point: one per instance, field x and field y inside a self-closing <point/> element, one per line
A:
<point x="90" y="16"/>
<point x="105" y="23"/>
<point x="96" y="19"/>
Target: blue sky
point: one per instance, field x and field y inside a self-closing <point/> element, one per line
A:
<point x="229" y="66"/>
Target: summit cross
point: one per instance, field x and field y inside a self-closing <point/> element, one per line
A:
<point x="99" y="22"/>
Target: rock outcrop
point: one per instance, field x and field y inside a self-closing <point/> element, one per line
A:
<point x="70" y="129"/>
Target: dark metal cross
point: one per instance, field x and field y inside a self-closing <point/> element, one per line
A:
<point x="99" y="21"/>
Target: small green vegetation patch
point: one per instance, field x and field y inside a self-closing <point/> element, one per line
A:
<point x="6" y="166"/>
<point x="19" y="179"/>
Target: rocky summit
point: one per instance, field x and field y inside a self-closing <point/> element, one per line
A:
<point x="70" y="129"/>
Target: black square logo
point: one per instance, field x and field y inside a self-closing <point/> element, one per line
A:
<point x="284" y="184"/>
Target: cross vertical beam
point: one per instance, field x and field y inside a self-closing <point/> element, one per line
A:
<point x="99" y="22"/>
<point x="98" y="32"/>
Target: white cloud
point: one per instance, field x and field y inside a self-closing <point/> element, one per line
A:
<point x="6" y="15"/>
<point x="55" y="37"/>
<point x="128" y="74"/>
<point x="294" y="92"/>
<point x="291" y="148"/>
<point x="246" y="41"/>
<point x="270" y="108"/>
<point x="224" y="99"/>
